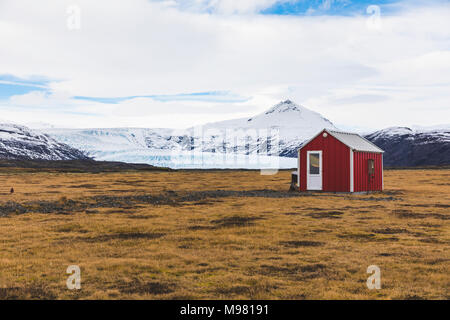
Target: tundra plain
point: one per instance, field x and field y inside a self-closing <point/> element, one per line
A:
<point x="220" y="235"/>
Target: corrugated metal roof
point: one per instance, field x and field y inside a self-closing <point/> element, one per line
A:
<point x="355" y="141"/>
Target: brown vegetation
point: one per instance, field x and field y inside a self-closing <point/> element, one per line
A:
<point x="220" y="234"/>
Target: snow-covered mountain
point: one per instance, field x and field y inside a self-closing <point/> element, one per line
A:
<point x="20" y="142"/>
<point x="273" y="133"/>
<point x="413" y="146"/>
<point x="287" y="123"/>
<point x="292" y="120"/>
<point x="267" y="140"/>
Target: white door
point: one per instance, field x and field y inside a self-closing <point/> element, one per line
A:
<point x="314" y="170"/>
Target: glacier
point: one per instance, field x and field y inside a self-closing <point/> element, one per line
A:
<point x="267" y="140"/>
<point x="198" y="160"/>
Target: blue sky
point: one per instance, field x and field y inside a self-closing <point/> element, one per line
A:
<point x="11" y="85"/>
<point x="300" y="7"/>
<point x="216" y="96"/>
<point x="331" y="7"/>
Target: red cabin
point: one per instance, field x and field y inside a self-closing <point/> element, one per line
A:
<point x="336" y="161"/>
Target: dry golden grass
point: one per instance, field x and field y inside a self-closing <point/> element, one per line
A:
<point x="305" y="247"/>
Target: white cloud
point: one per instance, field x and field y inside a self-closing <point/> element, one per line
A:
<point x="63" y="111"/>
<point x="142" y="48"/>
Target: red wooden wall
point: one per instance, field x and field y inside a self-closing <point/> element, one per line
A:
<point x="360" y="172"/>
<point x="335" y="163"/>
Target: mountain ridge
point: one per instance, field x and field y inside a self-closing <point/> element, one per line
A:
<point x="21" y="143"/>
<point x="406" y="147"/>
<point x="278" y="131"/>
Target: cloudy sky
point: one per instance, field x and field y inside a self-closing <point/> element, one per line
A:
<point x="177" y="63"/>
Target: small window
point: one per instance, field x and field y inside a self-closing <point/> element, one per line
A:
<point x="314" y="163"/>
<point x="371" y="166"/>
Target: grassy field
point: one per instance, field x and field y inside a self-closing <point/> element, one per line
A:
<point x="220" y="234"/>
